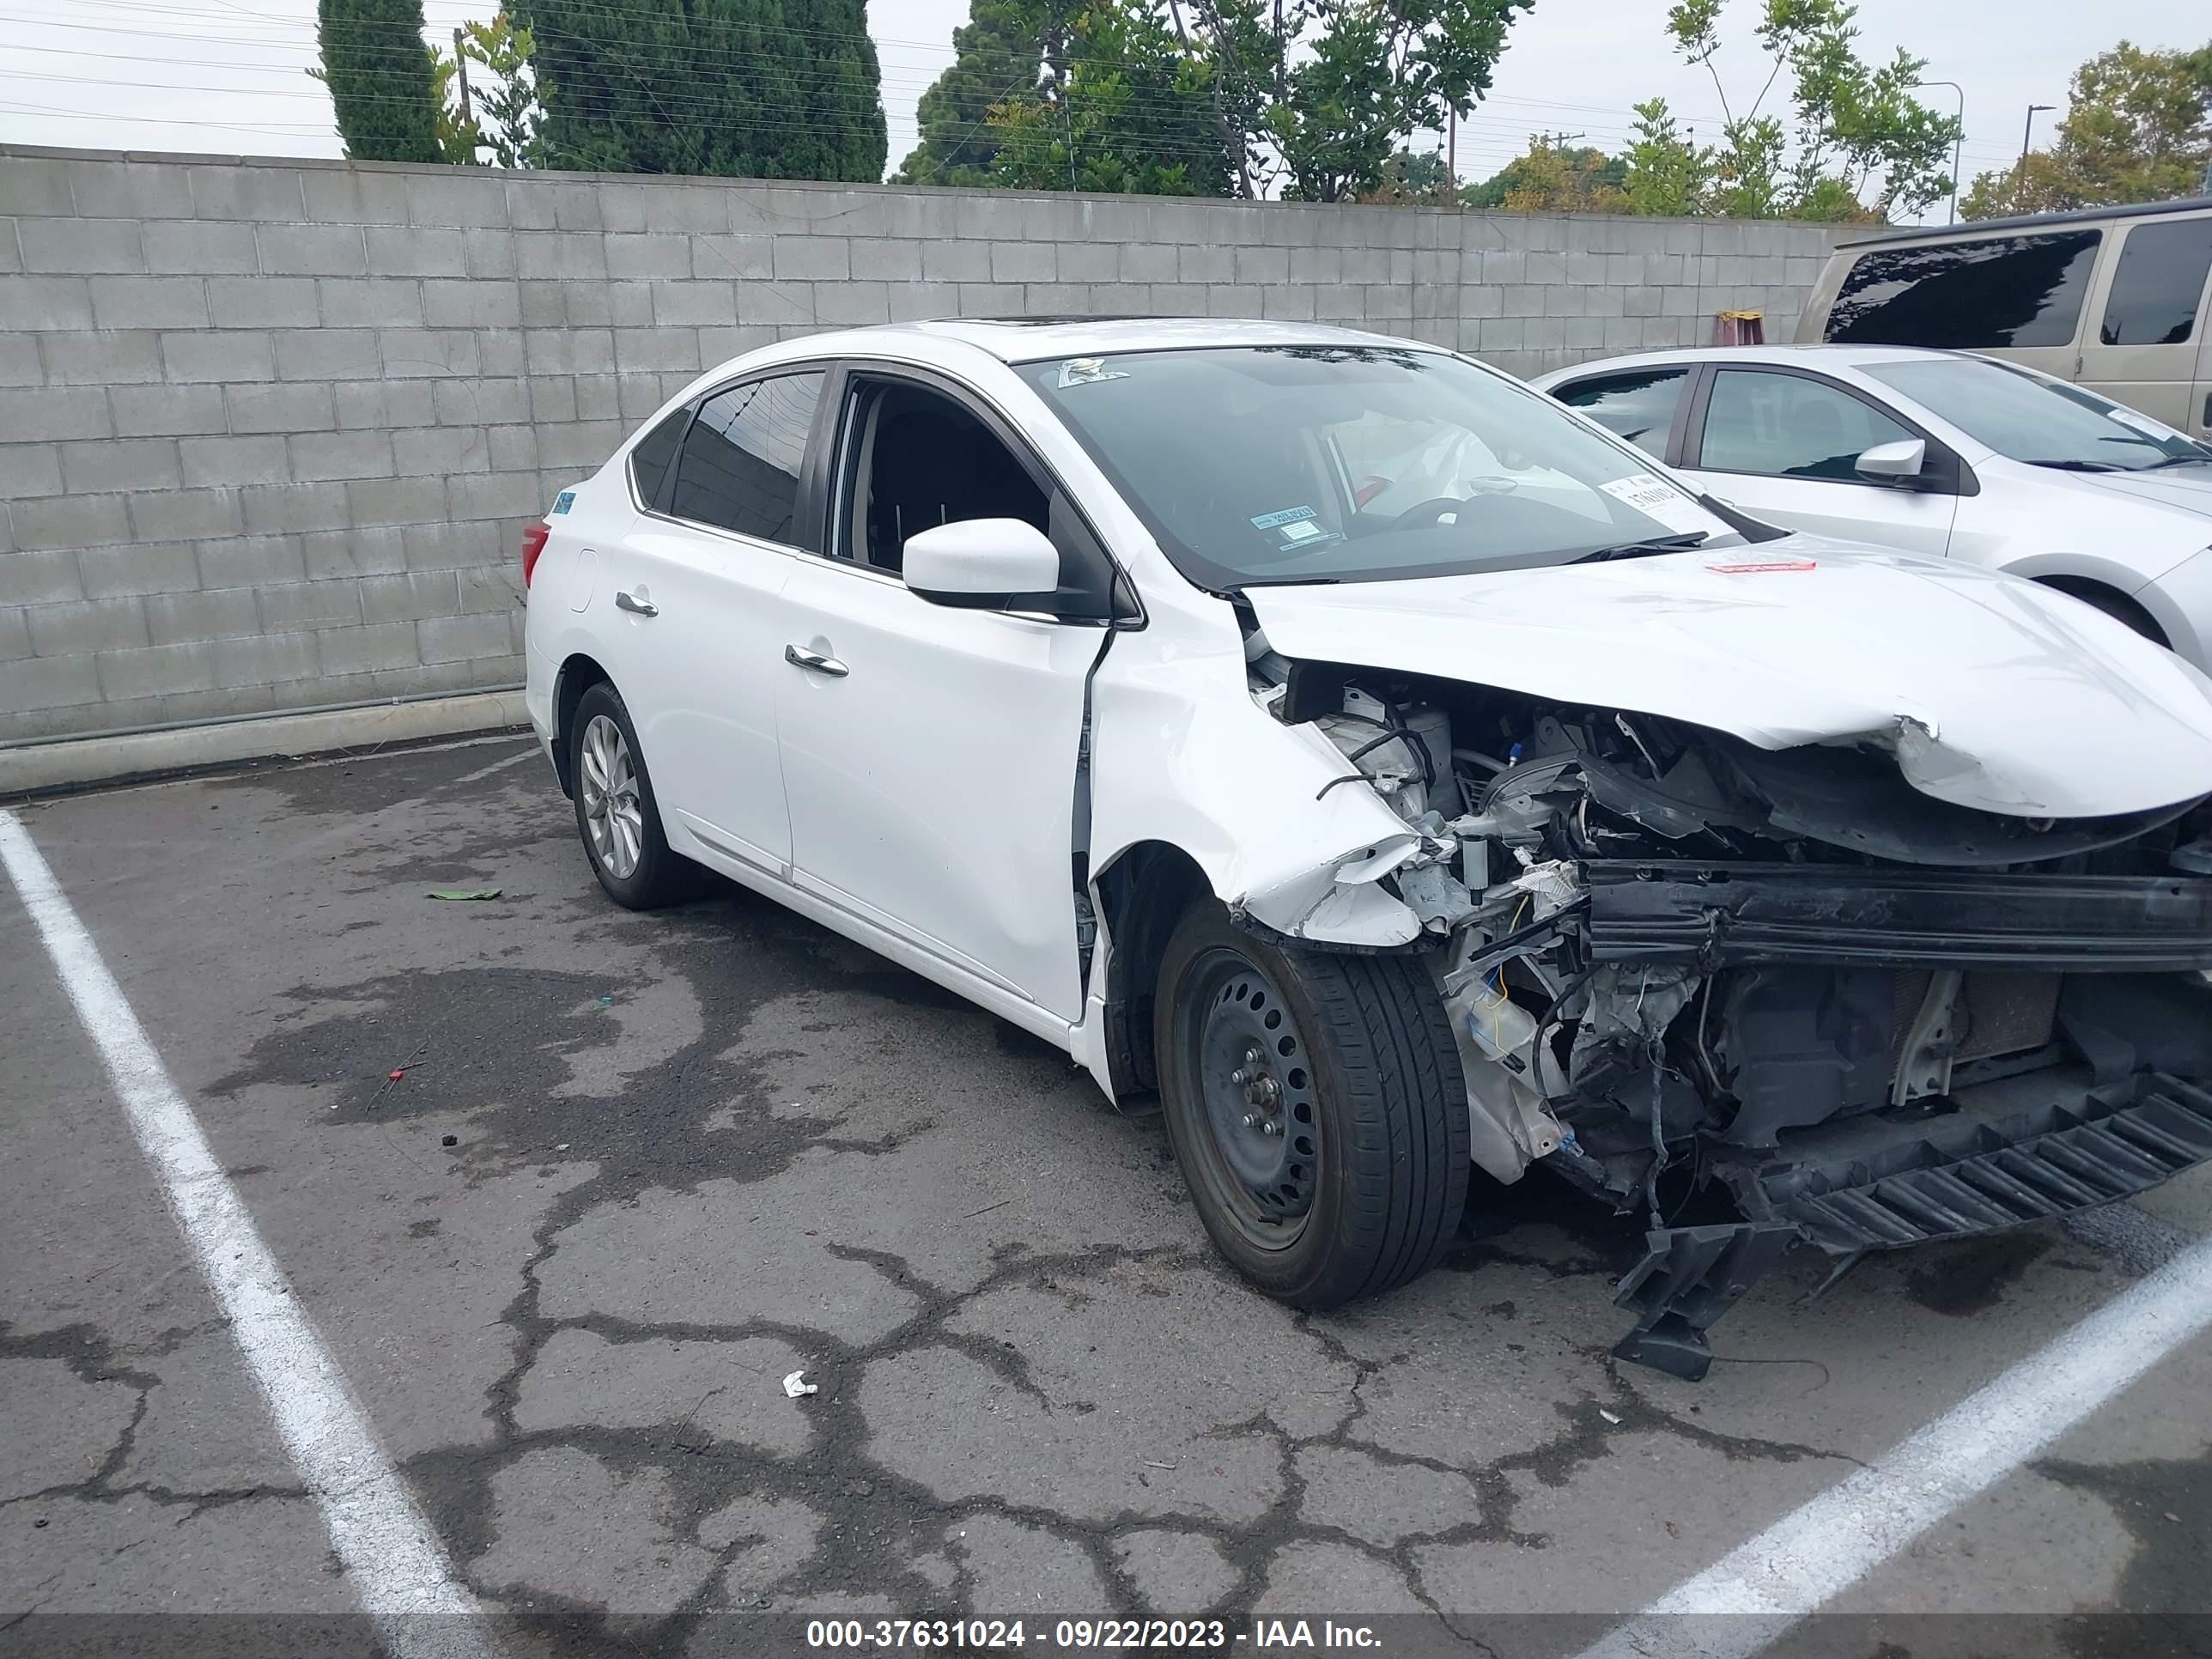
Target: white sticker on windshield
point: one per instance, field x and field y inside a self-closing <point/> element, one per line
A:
<point x="2143" y="423"/>
<point x="1088" y="371"/>
<point x="1655" y="498"/>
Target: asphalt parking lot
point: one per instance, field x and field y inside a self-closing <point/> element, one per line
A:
<point x="633" y="1170"/>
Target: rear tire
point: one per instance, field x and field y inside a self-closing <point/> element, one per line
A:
<point x="616" y="816"/>
<point x="1358" y="1185"/>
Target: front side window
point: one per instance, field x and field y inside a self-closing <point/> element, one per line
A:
<point x="924" y="460"/>
<point x="1639" y="406"/>
<point x="2159" y="284"/>
<point x="2028" y="417"/>
<point x="649" y="459"/>
<point x="740" y="463"/>
<point x="1324" y="463"/>
<point x="1986" y="295"/>
<point x="1784" y="426"/>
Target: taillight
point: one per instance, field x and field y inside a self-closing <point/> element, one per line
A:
<point x="533" y="544"/>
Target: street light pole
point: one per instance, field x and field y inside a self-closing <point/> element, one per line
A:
<point x="1958" y="144"/>
<point x="2028" y="126"/>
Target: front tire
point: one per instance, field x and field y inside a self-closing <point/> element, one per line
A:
<point x="1317" y="1109"/>
<point x="616" y="816"/>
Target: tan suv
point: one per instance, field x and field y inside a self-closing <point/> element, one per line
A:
<point x="2112" y="298"/>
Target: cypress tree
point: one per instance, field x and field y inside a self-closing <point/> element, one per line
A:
<point x="381" y="80"/>
<point x="749" y="89"/>
<point x="998" y="55"/>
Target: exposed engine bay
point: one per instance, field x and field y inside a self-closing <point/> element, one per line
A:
<point x="1762" y="996"/>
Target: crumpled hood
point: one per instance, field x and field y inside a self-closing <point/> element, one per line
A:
<point x="1995" y="692"/>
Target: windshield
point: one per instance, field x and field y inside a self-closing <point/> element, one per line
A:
<point x="2044" y="423"/>
<point x="1304" y="464"/>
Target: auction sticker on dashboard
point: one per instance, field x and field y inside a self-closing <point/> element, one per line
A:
<point x="1655" y="498"/>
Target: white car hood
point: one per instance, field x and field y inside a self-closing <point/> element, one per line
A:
<point x="2185" y="488"/>
<point x="1995" y="692"/>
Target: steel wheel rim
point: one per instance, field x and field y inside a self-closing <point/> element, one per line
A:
<point x="614" y="814"/>
<point x="1251" y="1079"/>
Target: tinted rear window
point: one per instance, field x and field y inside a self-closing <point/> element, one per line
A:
<point x="648" y="462"/>
<point x="741" y="460"/>
<point x="1982" y="295"/>
<point x="2158" y="284"/>
<point x="1639" y="406"/>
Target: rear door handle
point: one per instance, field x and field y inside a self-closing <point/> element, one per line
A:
<point x="635" y="606"/>
<point x="815" y="662"/>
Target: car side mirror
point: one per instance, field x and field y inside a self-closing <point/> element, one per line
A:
<point x="1893" y="464"/>
<point x="981" y="564"/>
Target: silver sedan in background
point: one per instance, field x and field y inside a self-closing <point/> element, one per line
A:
<point x="1943" y="452"/>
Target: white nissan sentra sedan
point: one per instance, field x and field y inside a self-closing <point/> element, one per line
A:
<point x="1400" y="777"/>
<point x="1943" y="452"/>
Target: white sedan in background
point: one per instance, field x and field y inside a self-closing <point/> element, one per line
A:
<point x="1940" y="452"/>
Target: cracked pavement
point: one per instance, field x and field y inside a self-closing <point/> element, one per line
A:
<point x="696" y="1151"/>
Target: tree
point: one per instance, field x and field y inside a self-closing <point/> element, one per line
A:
<point x="503" y="89"/>
<point x="1553" y="175"/>
<point x="756" y="89"/>
<point x="1856" y="125"/>
<point x="1310" y="99"/>
<point x="382" y="79"/>
<point x="2138" y="127"/>
<point x="1663" y="172"/>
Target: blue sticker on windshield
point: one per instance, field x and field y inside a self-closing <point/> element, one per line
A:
<point x="1288" y="515"/>
<point x="564" y="500"/>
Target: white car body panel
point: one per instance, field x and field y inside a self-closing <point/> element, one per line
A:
<point x="2126" y="532"/>
<point x="928" y="799"/>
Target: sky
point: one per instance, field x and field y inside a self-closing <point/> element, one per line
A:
<point x="228" y="76"/>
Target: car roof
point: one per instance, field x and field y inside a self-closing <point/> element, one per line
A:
<point x="1805" y="356"/>
<point x="1034" y="339"/>
<point x="2031" y="221"/>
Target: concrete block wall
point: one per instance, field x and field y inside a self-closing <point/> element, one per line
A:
<point x="270" y="430"/>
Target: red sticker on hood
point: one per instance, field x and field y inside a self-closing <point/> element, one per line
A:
<point x="1751" y="567"/>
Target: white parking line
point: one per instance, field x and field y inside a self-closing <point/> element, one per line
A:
<point x="1756" y="1592"/>
<point x="393" y="1559"/>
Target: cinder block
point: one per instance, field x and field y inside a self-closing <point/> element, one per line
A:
<point x="608" y="305"/>
<point x="1293" y="302"/>
<point x="1024" y="262"/>
<point x="246" y="191"/>
<point x="403" y="250"/>
<point x="362" y="650"/>
<point x="409" y="597"/>
<point x="189" y="618"/>
<point x="210" y="356"/>
<point x="185" y="514"/>
<point x="280" y="406"/>
<point x="777" y="303"/>
<point x="282" y="509"/>
<point x="652" y="253"/>
<point x="396" y="501"/>
<point x="28" y="470"/>
<point x="19" y="359"/>
<point x="599" y="397"/>
<point x="81" y="246"/>
<point x="715" y="257"/>
<point x="319" y="456"/>
<point x="586" y="444"/>
<point x="410" y="352"/>
<point x="676" y="207"/>
<point x="491" y="590"/>
<point x="354" y="195"/>
<point x="262" y="302"/>
<point x="511" y="448"/>
<point x="38" y="682"/>
<point x="1206" y="264"/>
<point x="156" y="671"/>
<point x="543" y="303"/>
<point x="644" y="349"/>
<point x="455" y="639"/>
<point x="311" y="250"/>
<point x="886" y="259"/>
<point x="44" y="576"/>
<point x="812" y="258"/>
<point x="481" y="403"/>
<point x="363" y="550"/>
<point x="288" y="607"/>
<point x="114" y="463"/>
<point x="54" y="412"/>
<point x="560" y="253"/>
<point x="1263" y="265"/>
<point x="45" y="302"/>
<point x="169" y="412"/>
<point x="220" y="461"/>
<point x="202" y="247"/>
<point x="138" y="568"/>
<point x="437" y="450"/>
<point x="461" y="304"/>
<point x="840" y="303"/>
<point x="265" y="659"/>
<point x="456" y="198"/>
<point x="15" y="634"/>
<point x="370" y="301"/>
<point x="76" y="626"/>
<point x="1366" y="264"/>
<point x="250" y="561"/>
<point x="63" y="521"/>
<point x="490" y="253"/>
<point x="359" y="404"/>
<point x="480" y="495"/>
<point x="569" y="351"/>
<point x="955" y="262"/>
<point x="690" y="304"/>
<point x="499" y="352"/>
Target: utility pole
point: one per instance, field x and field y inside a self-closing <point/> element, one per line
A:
<point x="461" y="62"/>
<point x="1451" y="151"/>
<point x="1958" y="144"/>
<point x="2028" y="126"/>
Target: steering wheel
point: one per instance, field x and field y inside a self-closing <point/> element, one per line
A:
<point x="1428" y="513"/>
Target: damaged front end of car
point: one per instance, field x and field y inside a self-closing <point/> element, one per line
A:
<point x="1765" y="995"/>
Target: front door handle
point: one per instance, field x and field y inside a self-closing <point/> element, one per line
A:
<point x="815" y="662"/>
<point x="635" y="606"/>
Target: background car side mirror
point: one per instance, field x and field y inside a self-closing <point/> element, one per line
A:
<point x="1893" y="464"/>
<point x="981" y="564"/>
